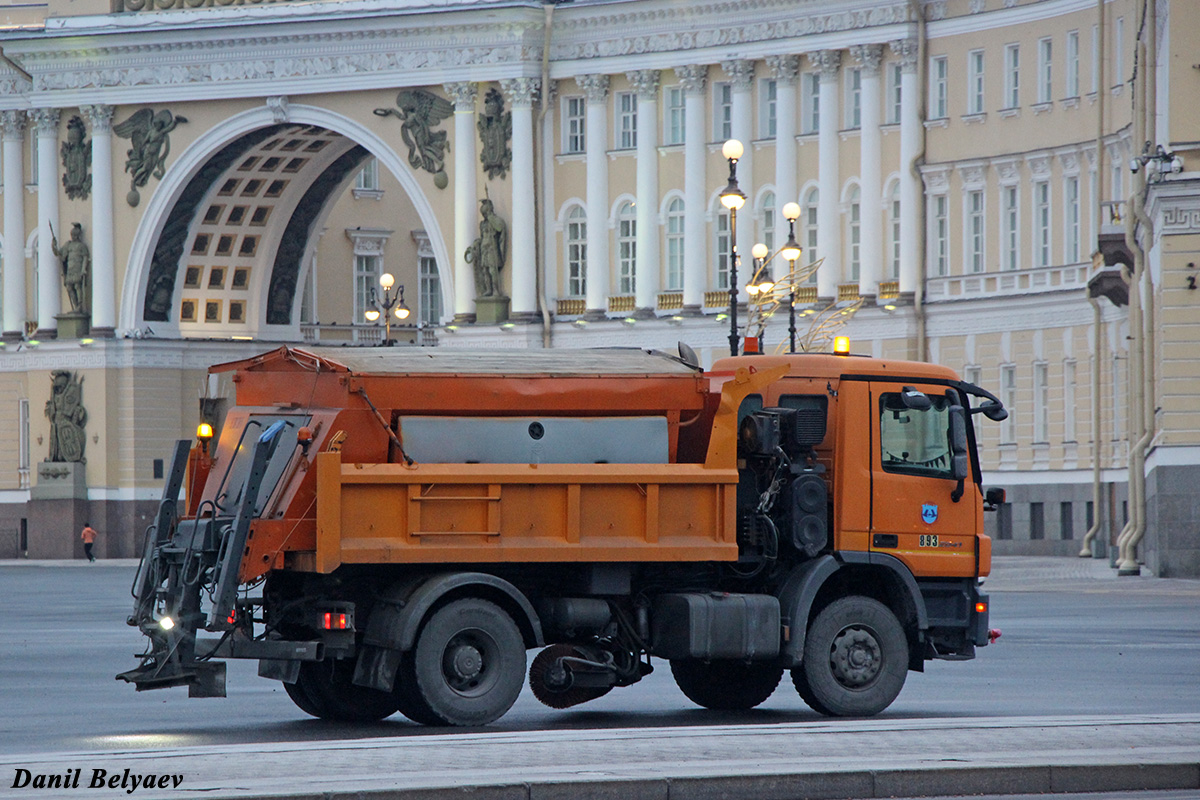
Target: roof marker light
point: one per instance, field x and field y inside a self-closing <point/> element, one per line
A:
<point x="841" y="345"/>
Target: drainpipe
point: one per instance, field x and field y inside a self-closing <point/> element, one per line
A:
<point x="1097" y="342"/>
<point x="917" y="9"/>
<point x="539" y="161"/>
<point x="1097" y="220"/>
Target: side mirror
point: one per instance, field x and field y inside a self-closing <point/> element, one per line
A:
<point x="994" y="411"/>
<point x="960" y="462"/>
<point x="993" y="498"/>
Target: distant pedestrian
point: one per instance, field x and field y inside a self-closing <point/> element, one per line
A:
<point x="89" y="537"/>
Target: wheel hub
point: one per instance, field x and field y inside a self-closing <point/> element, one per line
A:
<point x="463" y="662"/>
<point x="855" y="657"/>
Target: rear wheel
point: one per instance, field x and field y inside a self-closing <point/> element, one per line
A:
<point x="855" y="659"/>
<point x="724" y="684"/>
<point x="324" y="689"/>
<point x="469" y="663"/>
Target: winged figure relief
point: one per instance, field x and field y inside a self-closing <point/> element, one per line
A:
<point x="149" y="135"/>
<point x="419" y="111"/>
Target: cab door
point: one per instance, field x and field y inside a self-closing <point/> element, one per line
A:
<point x="921" y="512"/>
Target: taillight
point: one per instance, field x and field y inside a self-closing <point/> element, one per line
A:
<point x="335" y="621"/>
<point x="981" y="608"/>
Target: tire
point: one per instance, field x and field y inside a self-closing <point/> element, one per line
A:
<point x="469" y="663"/>
<point x="855" y="659"/>
<point x="726" y="685"/>
<point x="800" y="681"/>
<point x="324" y="689"/>
<point x="408" y="699"/>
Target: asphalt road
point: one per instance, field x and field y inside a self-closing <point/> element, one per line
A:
<point x="1076" y="641"/>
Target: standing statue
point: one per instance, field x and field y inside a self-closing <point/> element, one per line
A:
<point x="488" y="252"/>
<point x="67" y="417"/>
<point x="76" y="261"/>
<point x="419" y="111"/>
<point x="76" y="159"/>
<point x="495" y="133"/>
<point x="149" y="135"/>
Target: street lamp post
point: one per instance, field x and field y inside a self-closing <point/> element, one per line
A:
<point x="390" y="304"/>
<point x="733" y="199"/>
<point x="791" y="251"/>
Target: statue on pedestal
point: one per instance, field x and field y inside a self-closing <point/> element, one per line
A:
<point x="76" y="261"/>
<point x="67" y="417"/>
<point x="489" y="251"/>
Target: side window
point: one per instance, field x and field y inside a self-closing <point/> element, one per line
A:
<point x="915" y="442"/>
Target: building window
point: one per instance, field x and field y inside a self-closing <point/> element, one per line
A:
<point x="938" y="71"/>
<point x="673" y="100"/>
<point x="1069" y="401"/>
<point x="574" y="109"/>
<point x="1118" y="391"/>
<point x="723" y="246"/>
<point x="23" y="443"/>
<point x="1010" y="227"/>
<point x="1071" y="213"/>
<point x="810" y="91"/>
<point x="366" y="278"/>
<point x="1037" y="521"/>
<point x="626" y="120"/>
<point x="626" y="247"/>
<point x="855" y="231"/>
<point x="808" y="221"/>
<point x="1045" y="70"/>
<point x="1072" y="64"/>
<point x="576" y="246"/>
<point x="939" y="238"/>
<point x="1041" y="403"/>
<point x="1066" y="521"/>
<point x="308" y="297"/>
<point x="1119" y="52"/>
<point x="368" y="176"/>
<point x="675" y="245"/>
<point x="430" y="284"/>
<point x="894" y="93"/>
<point x="1041" y="223"/>
<point x="1095" y="59"/>
<point x="974" y="376"/>
<point x="1012" y="76"/>
<point x="766" y="221"/>
<point x="722" y="111"/>
<point x="1008" y="396"/>
<point x="974" y="230"/>
<point x="975" y="82"/>
<point x="1118" y="174"/>
<point x="854" y="98"/>
<point x="894" y="228"/>
<point x="769" y="88"/>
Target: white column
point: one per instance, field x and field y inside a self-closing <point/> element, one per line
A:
<point x="829" y="228"/>
<point x="549" y="243"/>
<point x="522" y="91"/>
<point x="463" y="95"/>
<point x="596" y="147"/>
<point x="695" y="241"/>
<point x="648" y="270"/>
<point x="14" y="224"/>
<point x="741" y="78"/>
<point x="785" y="70"/>
<point x="104" y="276"/>
<point x="911" y="129"/>
<point x="49" y="295"/>
<point x="871" y="256"/>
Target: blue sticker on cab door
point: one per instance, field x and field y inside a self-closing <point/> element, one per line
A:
<point x="929" y="512"/>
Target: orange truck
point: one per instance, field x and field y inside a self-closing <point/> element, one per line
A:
<point x="392" y="529"/>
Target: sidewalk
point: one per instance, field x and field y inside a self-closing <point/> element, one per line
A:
<point x="825" y="759"/>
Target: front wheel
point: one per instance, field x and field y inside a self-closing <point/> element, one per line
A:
<point x="469" y="663"/>
<point x="726" y="685"/>
<point x="855" y="659"/>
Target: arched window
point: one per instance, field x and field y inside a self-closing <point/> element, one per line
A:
<point x="723" y="246"/>
<point x="855" y="222"/>
<point x="675" y="245"/>
<point x="626" y="248"/>
<point x="576" y="247"/>
<point x="808" y="224"/>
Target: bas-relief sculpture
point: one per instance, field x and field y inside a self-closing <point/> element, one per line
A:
<point x="76" y="160"/>
<point x="67" y="417"/>
<point x="419" y="111"/>
<point x="149" y="133"/>
<point x="495" y="134"/>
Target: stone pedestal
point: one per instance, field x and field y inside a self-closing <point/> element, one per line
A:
<point x="73" y="325"/>
<point x="58" y="507"/>
<point x="491" y="310"/>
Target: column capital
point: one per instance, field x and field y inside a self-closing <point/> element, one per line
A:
<point x="645" y="82"/>
<point x="906" y="51"/>
<point x="98" y="117"/>
<point x="463" y="94"/>
<point x="868" y="56"/>
<point x="827" y="62"/>
<point x="693" y="77"/>
<point x="740" y="72"/>
<point x="784" y="69"/>
<point x="596" y="87"/>
<point x="13" y="124"/>
<point x="521" y="91"/>
<point x="45" y="120"/>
